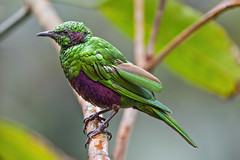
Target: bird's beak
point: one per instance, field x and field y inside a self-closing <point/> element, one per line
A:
<point x="50" y="34"/>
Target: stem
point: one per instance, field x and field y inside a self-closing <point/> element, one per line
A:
<point x="155" y="28"/>
<point x="129" y="115"/>
<point x="139" y="51"/>
<point x="48" y="19"/>
<point x="98" y="147"/>
<point x="222" y="6"/>
<point x="124" y="132"/>
<point x="14" y="20"/>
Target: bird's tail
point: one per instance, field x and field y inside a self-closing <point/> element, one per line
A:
<point x="157" y="113"/>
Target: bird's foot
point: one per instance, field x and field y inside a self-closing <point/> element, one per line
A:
<point x="100" y="130"/>
<point x="102" y="126"/>
<point x="90" y="118"/>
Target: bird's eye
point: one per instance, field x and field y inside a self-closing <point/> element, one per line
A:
<point x="65" y="31"/>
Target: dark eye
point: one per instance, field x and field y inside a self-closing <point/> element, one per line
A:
<point x="86" y="32"/>
<point x="65" y="31"/>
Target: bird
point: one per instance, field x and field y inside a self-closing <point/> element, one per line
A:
<point x="101" y="75"/>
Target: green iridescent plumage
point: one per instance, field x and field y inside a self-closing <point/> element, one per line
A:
<point x="108" y="72"/>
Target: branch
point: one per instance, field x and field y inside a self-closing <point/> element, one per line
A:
<point x="48" y="19"/>
<point x="98" y="147"/>
<point x="222" y="6"/>
<point x="139" y="51"/>
<point x="14" y="20"/>
<point x="155" y="28"/>
<point x="124" y="131"/>
<point x="129" y="115"/>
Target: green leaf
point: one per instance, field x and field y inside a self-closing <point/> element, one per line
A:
<point x="19" y="143"/>
<point x="207" y="58"/>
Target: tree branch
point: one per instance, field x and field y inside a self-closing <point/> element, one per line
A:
<point x="124" y="132"/>
<point x="222" y="6"/>
<point x="98" y="147"/>
<point x="48" y="19"/>
<point x="139" y="50"/>
<point x="14" y="20"/>
<point x="155" y="28"/>
<point x="129" y="115"/>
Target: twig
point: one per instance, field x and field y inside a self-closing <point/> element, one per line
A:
<point x="155" y="28"/>
<point x="129" y="115"/>
<point x="14" y="20"/>
<point x="139" y="50"/>
<point x="48" y="19"/>
<point x="124" y="132"/>
<point x="98" y="147"/>
<point x="222" y="6"/>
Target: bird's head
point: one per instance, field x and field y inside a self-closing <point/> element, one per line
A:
<point x="69" y="34"/>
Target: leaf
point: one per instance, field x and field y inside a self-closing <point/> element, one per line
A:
<point x="207" y="58"/>
<point x="18" y="143"/>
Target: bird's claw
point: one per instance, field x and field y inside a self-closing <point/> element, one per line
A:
<point x="100" y="130"/>
<point x="90" y="118"/>
<point x="102" y="126"/>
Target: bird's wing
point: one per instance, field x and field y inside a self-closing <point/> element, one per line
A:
<point x="138" y="76"/>
<point x="123" y="80"/>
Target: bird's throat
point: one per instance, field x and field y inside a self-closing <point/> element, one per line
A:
<point x="70" y="61"/>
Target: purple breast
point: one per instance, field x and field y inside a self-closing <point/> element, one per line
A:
<point x="95" y="92"/>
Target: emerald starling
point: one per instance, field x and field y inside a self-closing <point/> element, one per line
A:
<point x="102" y="76"/>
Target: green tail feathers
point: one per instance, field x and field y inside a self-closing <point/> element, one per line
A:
<point x="157" y="113"/>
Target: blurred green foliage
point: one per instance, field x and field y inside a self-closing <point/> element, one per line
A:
<point x="20" y="143"/>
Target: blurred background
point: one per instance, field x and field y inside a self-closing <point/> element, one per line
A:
<point x="34" y="92"/>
